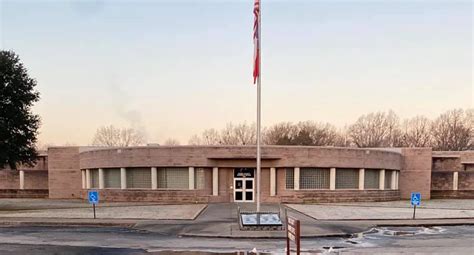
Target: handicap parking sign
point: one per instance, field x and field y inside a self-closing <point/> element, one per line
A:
<point x="415" y="198"/>
<point x="93" y="197"/>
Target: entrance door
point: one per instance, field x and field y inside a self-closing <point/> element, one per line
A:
<point x="244" y="184"/>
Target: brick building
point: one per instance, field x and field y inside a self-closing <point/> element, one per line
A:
<point x="211" y="174"/>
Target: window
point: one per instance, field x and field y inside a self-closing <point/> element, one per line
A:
<point x="371" y="179"/>
<point x="199" y="178"/>
<point x="314" y="178"/>
<point x="112" y="178"/>
<point x="94" y="174"/>
<point x="388" y="179"/>
<point x="290" y="178"/>
<point x="173" y="178"/>
<point x="347" y="178"/>
<point x="139" y="178"/>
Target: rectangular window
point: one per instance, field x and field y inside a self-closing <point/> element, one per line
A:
<point x="112" y="178"/>
<point x="388" y="179"/>
<point x="199" y="178"/>
<point x="290" y="178"/>
<point x="347" y="178"/>
<point x="371" y="179"/>
<point x="314" y="178"/>
<point x="173" y="178"/>
<point x="139" y="178"/>
<point x="94" y="173"/>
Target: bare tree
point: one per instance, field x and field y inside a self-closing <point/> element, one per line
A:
<point x="470" y="124"/>
<point x="343" y="139"/>
<point x="240" y="134"/>
<point x="171" y="142"/>
<point x="303" y="133"/>
<point x="208" y="137"/>
<point x="279" y="134"/>
<point x="122" y="137"/>
<point x="453" y="130"/>
<point x="195" y="140"/>
<point x="376" y="130"/>
<point x="416" y="132"/>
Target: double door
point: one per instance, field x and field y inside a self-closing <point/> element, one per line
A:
<point x="244" y="185"/>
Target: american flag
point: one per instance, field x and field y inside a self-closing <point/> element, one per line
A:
<point x="256" y="56"/>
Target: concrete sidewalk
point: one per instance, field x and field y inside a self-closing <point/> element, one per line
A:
<point x="81" y="209"/>
<point x="151" y="212"/>
<point x="355" y="212"/>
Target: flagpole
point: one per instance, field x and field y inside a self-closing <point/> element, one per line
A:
<point x="259" y="89"/>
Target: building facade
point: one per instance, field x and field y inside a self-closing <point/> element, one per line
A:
<point x="213" y="174"/>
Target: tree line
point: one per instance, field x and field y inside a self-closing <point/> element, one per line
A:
<point x="452" y="130"/>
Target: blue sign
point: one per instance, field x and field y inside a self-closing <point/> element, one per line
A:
<point x="93" y="197"/>
<point x="415" y="198"/>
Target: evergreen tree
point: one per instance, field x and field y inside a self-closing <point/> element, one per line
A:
<point x="18" y="125"/>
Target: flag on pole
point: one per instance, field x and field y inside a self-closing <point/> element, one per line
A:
<point x="256" y="56"/>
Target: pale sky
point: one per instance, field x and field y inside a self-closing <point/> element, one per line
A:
<point x="175" y="68"/>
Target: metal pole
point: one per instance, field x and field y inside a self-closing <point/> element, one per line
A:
<point x="259" y="89"/>
<point x="414" y="211"/>
<point x="93" y="206"/>
<point x="287" y="237"/>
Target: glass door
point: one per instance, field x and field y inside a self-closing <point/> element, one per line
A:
<point x="244" y="185"/>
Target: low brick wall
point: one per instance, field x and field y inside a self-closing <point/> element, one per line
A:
<point x="25" y="193"/>
<point x="457" y="194"/>
<point x="340" y="196"/>
<point x="158" y="196"/>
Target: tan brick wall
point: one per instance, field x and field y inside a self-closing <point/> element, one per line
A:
<point x="466" y="180"/>
<point x="25" y="193"/>
<point x="340" y="196"/>
<point x="36" y="179"/>
<point x="148" y="195"/>
<point x="441" y="181"/>
<point x="415" y="175"/>
<point x="65" y="180"/>
<point x="446" y="164"/>
<point x="9" y="179"/>
<point x="456" y="194"/>
<point x="240" y="156"/>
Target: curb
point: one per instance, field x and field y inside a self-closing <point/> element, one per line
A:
<point x="397" y="219"/>
<point x="428" y="224"/>
<point x="342" y="235"/>
<point x="66" y="224"/>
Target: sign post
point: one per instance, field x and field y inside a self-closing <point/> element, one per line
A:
<point x="293" y="234"/>
<point x="415" y="201"/>
<point x="93" y="196"/>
